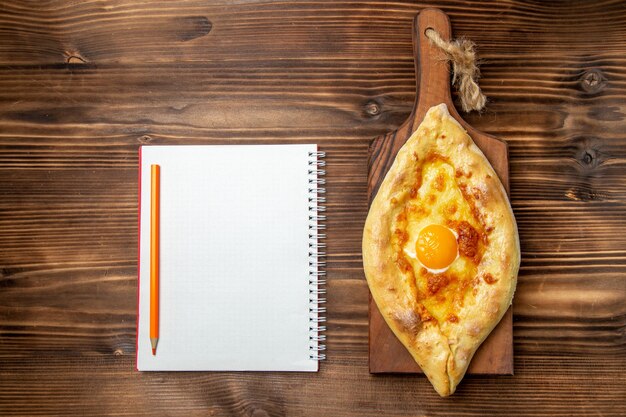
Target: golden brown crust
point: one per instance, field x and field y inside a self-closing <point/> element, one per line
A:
<point x="442" y="318"/>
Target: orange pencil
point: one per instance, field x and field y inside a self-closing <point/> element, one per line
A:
<point x="154" y="256"/>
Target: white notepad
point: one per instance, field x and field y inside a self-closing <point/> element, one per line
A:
<point x="238" y="258"/>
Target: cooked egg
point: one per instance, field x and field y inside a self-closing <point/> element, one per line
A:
<point x="436" y="247"/>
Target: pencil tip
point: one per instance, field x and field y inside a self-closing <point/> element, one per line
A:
<point x="153" y="343"/>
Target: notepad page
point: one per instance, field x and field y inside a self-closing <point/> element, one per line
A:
<point x="234" y="258"/>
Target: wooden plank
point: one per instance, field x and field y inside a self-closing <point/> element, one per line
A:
<point x="386" y="353"/>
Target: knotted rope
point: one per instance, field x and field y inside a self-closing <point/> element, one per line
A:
<point x="465" y="70"/>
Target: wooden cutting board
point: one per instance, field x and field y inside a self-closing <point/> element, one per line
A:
<point x="386" y="353"/>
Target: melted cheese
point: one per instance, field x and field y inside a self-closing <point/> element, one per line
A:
<point x="438" y="200"/>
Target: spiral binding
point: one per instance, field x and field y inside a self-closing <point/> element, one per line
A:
<point x="317" y="254"/>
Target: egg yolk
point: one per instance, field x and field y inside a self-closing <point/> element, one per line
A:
<point x="436" y="246"/>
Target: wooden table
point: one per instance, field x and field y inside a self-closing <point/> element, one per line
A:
<point x="83" y="84"/>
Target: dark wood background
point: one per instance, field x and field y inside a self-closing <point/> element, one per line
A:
<point x="84" y="83"/>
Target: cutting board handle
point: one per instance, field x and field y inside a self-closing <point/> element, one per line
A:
<point x="433" y="88"/>
<point x="431" y="65"/>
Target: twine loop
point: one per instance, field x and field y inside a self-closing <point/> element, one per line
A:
<point x="465" y="69"/>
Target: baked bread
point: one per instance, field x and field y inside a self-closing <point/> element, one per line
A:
<point x="441" y="249"/>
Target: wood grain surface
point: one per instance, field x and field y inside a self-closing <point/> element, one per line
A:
<point x="83" y="84"/>
<point x="386" y="352"/>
